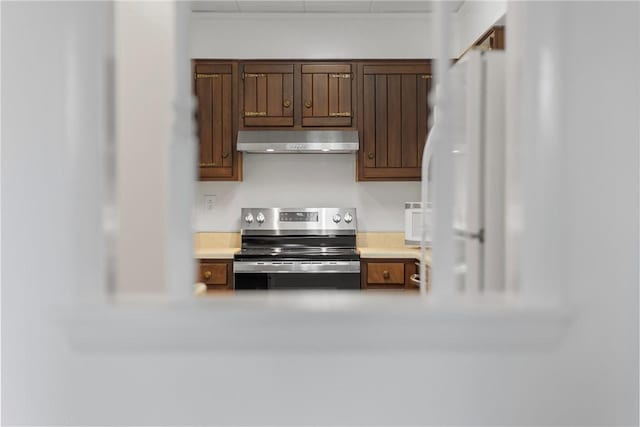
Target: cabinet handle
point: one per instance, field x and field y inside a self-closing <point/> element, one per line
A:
<point x="206" y="76"/>
<point x="341" y="76"/>
<point x="206" y="275"/>
<point x="307" y="104"/>
<point x="286" y="103"/>
<point x="415" y="279"/>
<point x="386" y="274"/>
<point x="225" y="154"/>
<point x="370" y="156"/>
<point x="345" y="114"/>
<point x="255" y="113"/>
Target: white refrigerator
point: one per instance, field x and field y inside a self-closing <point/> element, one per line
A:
<point x="468" y="242"/>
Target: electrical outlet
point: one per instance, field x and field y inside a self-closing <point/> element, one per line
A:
<point x="209" y="202"/>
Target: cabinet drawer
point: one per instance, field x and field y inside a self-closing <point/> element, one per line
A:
<point x="387" y="273"/>
<point x="213" y="273"/>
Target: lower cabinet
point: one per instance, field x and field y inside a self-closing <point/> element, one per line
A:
<point x="217" y="274"/>
<point x="389" y="274"/>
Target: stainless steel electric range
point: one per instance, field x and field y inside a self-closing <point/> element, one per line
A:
<point x="297" y="248"/>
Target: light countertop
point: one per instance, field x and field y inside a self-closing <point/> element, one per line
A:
<point x="215" y="253"/>
<point x="387" y="245"/>
<point x="216" y="245"/>
<point x="370" y="245"/>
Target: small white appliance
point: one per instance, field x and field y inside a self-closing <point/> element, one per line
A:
<point x="413" y="223"/>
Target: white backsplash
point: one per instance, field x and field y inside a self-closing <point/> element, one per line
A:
<point x="304" y="180"/>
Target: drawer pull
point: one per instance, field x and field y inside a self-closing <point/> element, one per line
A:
<point x="415" y="279"/>
<point x="345" y="114"/>
<point x="207" y="275"/>
<point x="386" y="274"/>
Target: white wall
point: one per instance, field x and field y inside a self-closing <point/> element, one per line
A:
<point x="589" y="378"/>
<point x="303" y="180"/>
<point x="144" y="120"/>
<point x="473" y="19"/>
<point x="55" y="87"/>
<point x="311" y="36"/>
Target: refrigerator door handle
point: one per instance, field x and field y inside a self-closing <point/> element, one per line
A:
<point x="479" y="235"/>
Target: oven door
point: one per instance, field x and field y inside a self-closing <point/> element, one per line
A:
<point x="252" y="275"/>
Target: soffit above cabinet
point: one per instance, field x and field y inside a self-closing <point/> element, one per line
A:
<point x="318" y="6"/>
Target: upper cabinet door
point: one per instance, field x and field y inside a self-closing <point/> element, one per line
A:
<point x="327" y="95"/>
<point x="492" y="39"/>
<point x="393" y="123"/>
<point x="268" y="95"/>
<point x="214" y="89"/>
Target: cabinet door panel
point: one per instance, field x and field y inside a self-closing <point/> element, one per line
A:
<point x="381" y="120"/>
<point x="307" y="95"/>
<point x="216" y="274"/>
<point x="274" y="97"/>
<point x="217" y="98"/>
<point x="287" y="95"/>
<point x="334" y="95"/>
<point x="422" y="113"/>
<point x="326" y="95"/>
<point x="250" y="94"/>
<point x="369" y="120"/>
<point x="320" y="95"/>
<point x="227" y="121"/>
<point x="344" y="95"/>
<point x="409" y="122"/>
<point x="394" y="121"/>
<point x="204" y="89"/>
<point x="268" y="95"/>
<point x="261" y="95"/>
<point x="215" y="124"/>
<point x="390" y="273"/>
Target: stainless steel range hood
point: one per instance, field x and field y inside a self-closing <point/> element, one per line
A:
<point x="298" y="141"/>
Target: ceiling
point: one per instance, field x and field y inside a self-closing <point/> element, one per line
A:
<point x="319" y="6"/>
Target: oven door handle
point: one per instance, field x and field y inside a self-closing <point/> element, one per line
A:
<point x="296" y="267"/>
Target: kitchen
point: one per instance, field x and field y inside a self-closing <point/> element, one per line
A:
<point x="378" y="103"/>
<point x="102" y="205"/>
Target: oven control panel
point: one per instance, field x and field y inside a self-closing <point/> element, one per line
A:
<point x="281" y="220"/>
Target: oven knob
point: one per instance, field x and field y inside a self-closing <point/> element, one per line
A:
<point x="348" y="218"/>
<point x="249" y="218"/>
<point x="260" y="218"/>
<point x="337" y="218"/>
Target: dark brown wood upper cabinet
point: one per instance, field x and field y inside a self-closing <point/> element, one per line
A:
<point x="386" y="100"/>
<point x="492" y="39"/>
<point x="214" y="86"/>
<point x="267" y="95"/>
<point x="394" y="121"/>
<point x="327" y="95"/>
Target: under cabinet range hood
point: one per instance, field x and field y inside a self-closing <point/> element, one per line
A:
<point x="298" y="141"/>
